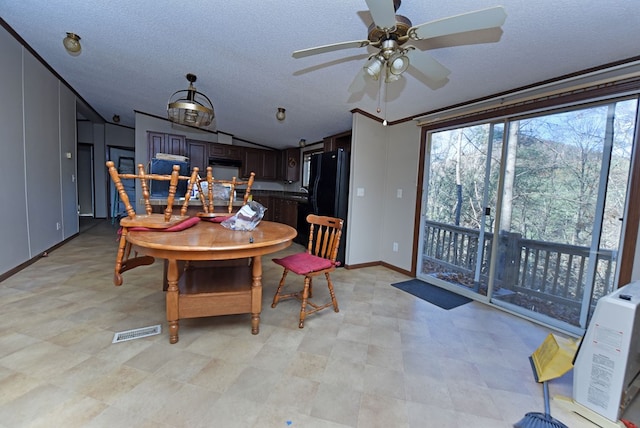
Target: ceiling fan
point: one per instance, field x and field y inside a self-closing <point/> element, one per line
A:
<point x="389" y="33"/>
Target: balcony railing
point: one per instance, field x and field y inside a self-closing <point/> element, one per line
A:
<point x="538" y="270"/>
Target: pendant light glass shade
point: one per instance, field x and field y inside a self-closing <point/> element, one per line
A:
<point x="72" y="43"/>
<point x="190" y="107"/>
<point x="398" y="63"/>
<point x="373" y="66"/>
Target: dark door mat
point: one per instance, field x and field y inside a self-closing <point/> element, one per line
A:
<point x="432" y="294"/>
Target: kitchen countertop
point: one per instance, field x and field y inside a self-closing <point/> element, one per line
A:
<point x="291" y="196"/>
<point x="192" y="202"/>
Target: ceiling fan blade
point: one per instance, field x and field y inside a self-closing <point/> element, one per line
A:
<point x="426" y="64"/>
<point x="471" y="21"/>
<point x="359" y="83"/>
<point x="330" y="48"/>
<point x="383" y="13"/>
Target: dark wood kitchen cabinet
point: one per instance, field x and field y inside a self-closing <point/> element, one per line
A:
<point x="285" y="211"/>
<point x="270" y="165"/>
<point x="158" y="142"/>
<point x="338" y="141"/>
<point x="266" y="202"/>
<point x="252" y="161"/>
<point x="290" y="165"/>
<point x="198" y="153"/>
<point x="263" y="162"/>
<point x="225" y="151"/>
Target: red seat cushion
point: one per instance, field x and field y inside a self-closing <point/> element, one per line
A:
<point x="192" y="221"/>
<point x="304" y="263"/>
<point x="216" y="219"/>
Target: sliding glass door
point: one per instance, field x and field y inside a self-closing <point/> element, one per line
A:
<point x="562" y="207"/>
<point x="529" y="212"/>
<point x="458" y="215"/>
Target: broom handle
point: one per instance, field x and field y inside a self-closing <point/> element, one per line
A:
<point x="545" y="389"/>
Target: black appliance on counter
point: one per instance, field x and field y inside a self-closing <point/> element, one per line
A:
<point x="329" y="189"/>
<point x="160" y="189"/>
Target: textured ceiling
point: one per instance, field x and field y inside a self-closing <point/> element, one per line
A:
<point x="135" y="54"/>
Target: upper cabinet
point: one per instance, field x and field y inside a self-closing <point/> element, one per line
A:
<point x="198" y="153"/>
<point x="252" y="162"/>
<point x="338" y="141"/>
<point x="290" y="165"/>
<point x="270" y="164"/>
<point x="264" y="163"/>
<point x="273" y="165"/>
<point x="158" y="142"/>
<point x="225" y="151"/>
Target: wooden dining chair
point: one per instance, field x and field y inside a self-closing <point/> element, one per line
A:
<point x="218" y="190"/>
<point x="318" y="259"/>
<point x="149" y="220"/>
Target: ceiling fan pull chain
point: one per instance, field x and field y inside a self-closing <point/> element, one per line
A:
<point x="379" y="95"/>
<point x="386" y="88"/>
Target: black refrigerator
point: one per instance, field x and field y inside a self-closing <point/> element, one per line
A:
<point x="329" y="189"/>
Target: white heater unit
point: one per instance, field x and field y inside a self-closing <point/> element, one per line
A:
<point x="607" y="364"/>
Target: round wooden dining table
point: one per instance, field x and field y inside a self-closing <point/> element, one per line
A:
<point x="223" y="286"/>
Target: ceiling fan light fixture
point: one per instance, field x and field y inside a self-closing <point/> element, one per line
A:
<point x="190" y="107"/>
<point x="390" y="77"/>
<point x="398" y="63"/>
<point x="373" y="66"/>
<point x="72" y="43"/>
<point x="389" y="33"/>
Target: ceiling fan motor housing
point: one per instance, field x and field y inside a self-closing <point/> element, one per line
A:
<point x="398" y="33"/>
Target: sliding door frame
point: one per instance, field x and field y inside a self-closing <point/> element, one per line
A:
<point x="617" y="90"/>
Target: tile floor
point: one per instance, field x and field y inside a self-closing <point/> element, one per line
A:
<point x="387" y="359"/>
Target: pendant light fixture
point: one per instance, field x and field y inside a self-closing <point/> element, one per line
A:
<point x="280" y="114"/>
<point x="190" y="107"/>
<point x="72" y="44"/>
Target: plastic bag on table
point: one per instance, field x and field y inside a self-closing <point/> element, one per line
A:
<point x="247" y="218"/>
<point x="221" y="192"/>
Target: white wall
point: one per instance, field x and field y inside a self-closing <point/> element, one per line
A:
<point x="42" y="150"/>
<point x="401" y="174"/>
<point x="68" y="161"/>
<point x="85" y="132"/>
<point x="383" y="160"/>
<point x="119" y="136"/>
<point x="365" y="218"/>
<point x="14" y="246"/>
<point x="100" y="171"/>
<point x="38" y="129"/>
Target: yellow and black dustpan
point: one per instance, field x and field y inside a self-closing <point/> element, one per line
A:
<point x="551" y="360"/>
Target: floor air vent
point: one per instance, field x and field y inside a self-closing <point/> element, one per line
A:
<point x="137" y="333"/>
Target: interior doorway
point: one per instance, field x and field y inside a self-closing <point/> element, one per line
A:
<point x="86" y="206"/>
<point x="123" y="158"/>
